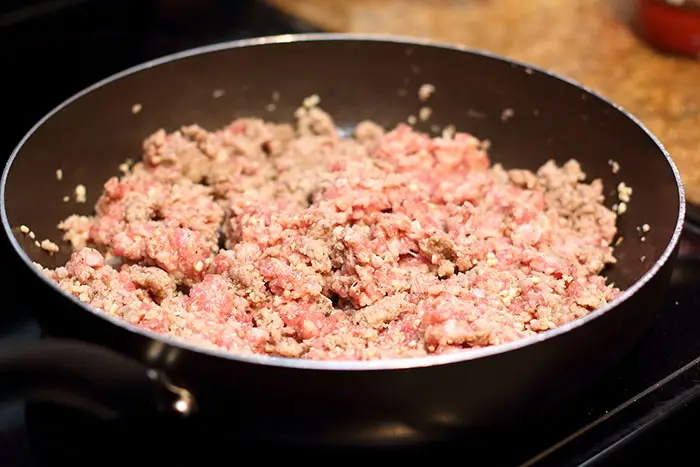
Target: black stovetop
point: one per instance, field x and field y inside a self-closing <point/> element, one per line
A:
<point x="636" y="413"/>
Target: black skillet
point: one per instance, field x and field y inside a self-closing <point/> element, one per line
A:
<point x="110" y="367"/>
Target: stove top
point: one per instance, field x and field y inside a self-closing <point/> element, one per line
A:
<point x="636" y="412"/>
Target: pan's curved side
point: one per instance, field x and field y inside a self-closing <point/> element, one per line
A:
<point x="387" y="407"/>
<point x="513" y="388"/>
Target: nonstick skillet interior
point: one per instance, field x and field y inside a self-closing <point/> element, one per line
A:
<point x="356" y="79"/>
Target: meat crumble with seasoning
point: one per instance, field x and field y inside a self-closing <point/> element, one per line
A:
<point x="292" y="241"/>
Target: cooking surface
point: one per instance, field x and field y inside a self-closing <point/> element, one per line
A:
<point x="622" y="412"/>
<point x="591" y="41"/>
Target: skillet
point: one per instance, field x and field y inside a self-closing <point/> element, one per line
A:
<point x="112" y="368"/>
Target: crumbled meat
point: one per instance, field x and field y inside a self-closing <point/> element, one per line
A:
<point x="313" y="121"/>
<point x="77" y="230"/>
<point x="624" y="192"/>
<point x="80" y="194"/>
<point x="49" y="246"/>
<point x="614" y="165"/>
<point x="448" y="132"/>
<point x="171" y="225"/>
<point x="368" y="133"/>
<point x="312" y="101"/>
<point x="159" y="284"/>
<point x="391" y="244"/>
<point x="425" y="91"/>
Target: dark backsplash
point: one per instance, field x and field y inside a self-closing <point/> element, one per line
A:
<point x="60" y="47"/>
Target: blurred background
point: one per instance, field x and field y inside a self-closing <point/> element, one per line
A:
<point x="630" y="50"/>
<point x="642" y="54"/>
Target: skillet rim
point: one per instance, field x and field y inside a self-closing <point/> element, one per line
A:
<point x="388" y="364"/>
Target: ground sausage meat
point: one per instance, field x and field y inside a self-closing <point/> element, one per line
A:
<point x="293" y="241"/>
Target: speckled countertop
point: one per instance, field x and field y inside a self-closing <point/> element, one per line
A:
<point x="591" y="41"/>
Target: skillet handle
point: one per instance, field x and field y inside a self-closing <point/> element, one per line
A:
<point x="88" y="377"/>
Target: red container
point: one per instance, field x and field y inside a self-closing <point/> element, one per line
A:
<point x="671" y="25"/>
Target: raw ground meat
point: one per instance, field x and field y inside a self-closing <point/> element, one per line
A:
<point x="292" y="241"/>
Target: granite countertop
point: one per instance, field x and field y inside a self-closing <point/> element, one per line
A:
<point x="591" y="41"/>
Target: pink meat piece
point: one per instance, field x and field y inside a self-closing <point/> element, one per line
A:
<point x="390" y="244"/>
